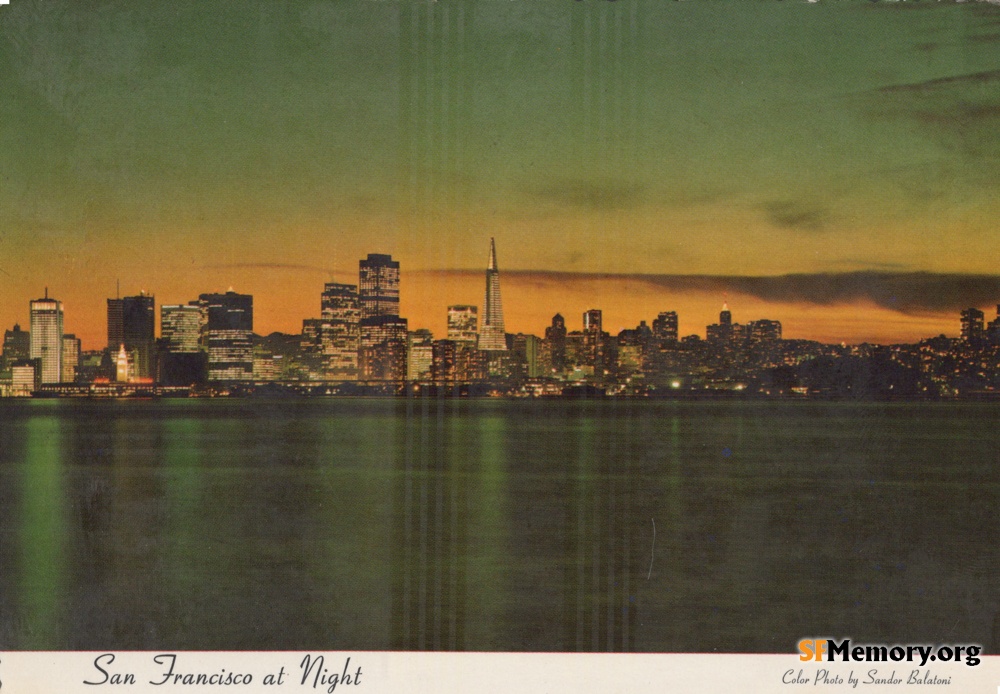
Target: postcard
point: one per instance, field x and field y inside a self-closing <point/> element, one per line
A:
<point x="407" y="345"/>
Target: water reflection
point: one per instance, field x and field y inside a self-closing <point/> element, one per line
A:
<point x="42" y="536"/>
<point x="493" y="525"/>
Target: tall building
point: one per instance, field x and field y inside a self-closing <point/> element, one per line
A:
<point x="527" y="349"/>
<point x="16" y="345"/>
<point x="311" y="349"/>
<point x="555" y="343"/>
<point x="383" y="348"/>
<point x="378" y="287"/>
<point x="972" y="324"/>
<point x="443" y="362"/>
<point x="463" y="324"/>
<point x="139" y="332"/>
<point x="725" y="331"/>
<point x="420" y="355"/>
<point x="665" y="327"/>
<point x="230" y="336"/>
<point x="116" y="334"/>
<point x="992" y="329"/>
<point x="382" y="355"/>
<point x="71" y="358"/>
<point x="492" y="337"/>
<point x="340" y="334"/>
<point x="725" y="316"/>
<point x="47" y="337"/>
<point x="763" y="330"/>
<point x="181" y="359"/>
<point x="180" y="328"/>
<point x="593" y="337"/>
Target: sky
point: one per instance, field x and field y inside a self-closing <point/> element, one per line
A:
<point x="832" y="165"/>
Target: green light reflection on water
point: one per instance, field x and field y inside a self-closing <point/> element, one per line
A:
<point x="42" y="534"/>
<point x="487" y="585"/>
<point x="184" y="488"/>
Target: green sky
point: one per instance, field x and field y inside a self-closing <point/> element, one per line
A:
<point x="185" y="147"/>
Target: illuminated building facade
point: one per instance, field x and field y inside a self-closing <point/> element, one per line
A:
<point x="229" y="331"/>
<point x="973" y="324"/>
<point x="554" y="346"/>
<point x="383" y="348"/>
<point x="71" y="358"/>
<point x="340" y="334"/>
<point x="47" y="337"/>
<point x="116" y="334"/>
<point x="382" y="354"/>
<point x="665" y="327"/>
<point x="463" y="324"/>
<point x="492" y="337"/>
<point x="139" y="332"/>
<point x="420" y="355"/>
<point x="16" y="345"/>
<point x="24" y="377"/>
<point x="180" y="328"/>
<point x="763" y="330"/>
<point x="378" y="286"/>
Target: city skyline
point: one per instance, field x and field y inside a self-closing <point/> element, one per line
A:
<point x="377" y="295"/>
<point x="633" y="156"/>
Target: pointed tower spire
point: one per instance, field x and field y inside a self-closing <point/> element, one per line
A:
<point x="492" y="337"/>
<point x="493" y="255"/>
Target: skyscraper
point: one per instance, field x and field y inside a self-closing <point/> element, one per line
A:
<point x="555" y="343"/>
<point x="443" y="362"/>
<point x="492" y="336"/>
<point x="180" y="328"/>
<point x="139" y="331"/>
<point x="378" y="286"/>
<point x="383" y="348"/>
<point x="382" y="356"/>
<point x="972" y="324"/>
<point x="181" y="361"/>
<point x="725" y="330"/>
<point x="593" y="339"/>
<point x="230" y="336"/>
<point x="421" y="355"/>
<point x="665" y="327"/>
<point x="47" y="337"/>
<point x="725" y="315"/>
<point x="340" y="332"/>
<point x="71" y="358"/>
<point x="116" y="337"/>
<point x="16" y="345"/>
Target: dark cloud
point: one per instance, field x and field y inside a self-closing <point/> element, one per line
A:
<point x="796" y="215"/>
<point x="957" y="115"/>
<point x="985" y="38"/>
<point x="979" y="78"/>
<point x="905" y="292"/>
<point x="862" y="264"/>
<point x="588" y="195"/>
<point x="961" y="113"/>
